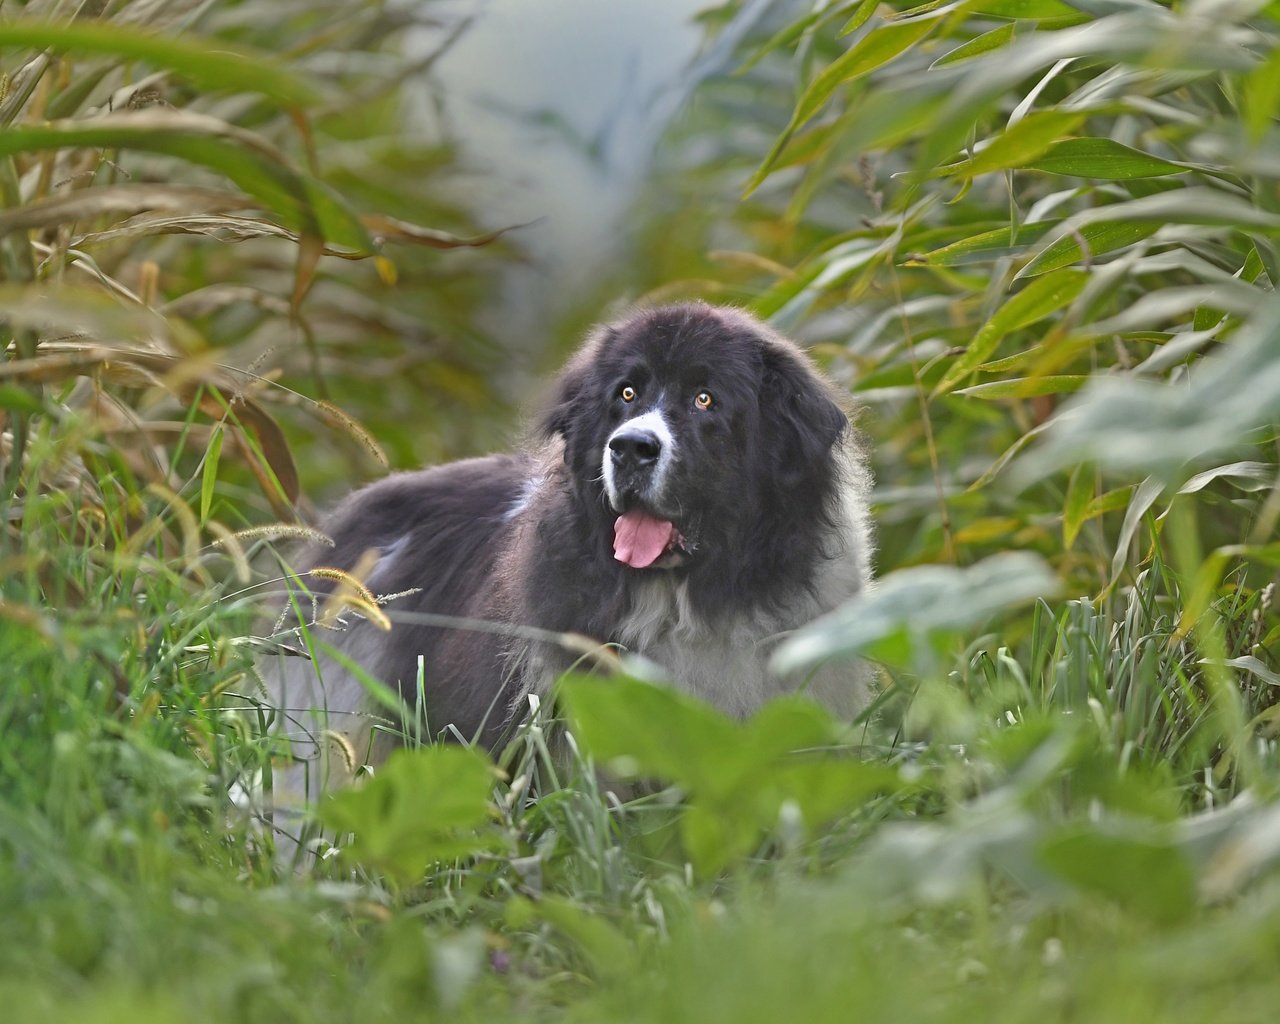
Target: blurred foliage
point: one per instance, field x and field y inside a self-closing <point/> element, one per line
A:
<point x="1035" y="239"/>
<point x="973" y="211"/>
<point x="202" y="236"/>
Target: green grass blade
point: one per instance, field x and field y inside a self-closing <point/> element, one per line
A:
<point x="301" y="201"/>
<point x="212" y="64"/>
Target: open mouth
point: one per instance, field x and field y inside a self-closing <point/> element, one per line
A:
<point x="643" y="541"/>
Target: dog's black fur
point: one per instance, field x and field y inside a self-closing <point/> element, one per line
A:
<point x="763" y="493"/>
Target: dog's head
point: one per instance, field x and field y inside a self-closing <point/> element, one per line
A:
<point x="692" y="430"/>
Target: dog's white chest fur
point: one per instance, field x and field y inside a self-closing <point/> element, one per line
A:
<point x="727" y="663"/>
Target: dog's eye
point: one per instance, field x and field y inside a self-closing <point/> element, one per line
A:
<point x="627" y="393"/>
<point x="703" y="400"/>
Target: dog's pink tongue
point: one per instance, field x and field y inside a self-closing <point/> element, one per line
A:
<point x="639" y="540"/>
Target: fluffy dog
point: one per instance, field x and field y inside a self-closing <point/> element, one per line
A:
<point x="694" y="492"/>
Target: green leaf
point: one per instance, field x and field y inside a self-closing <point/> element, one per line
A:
<point x="209" y="473"/>
<point x="737" y="776"/>
<point x="1080" y="488"/>
<point x="1039" y="299"/>
<point x="1260" y="97"/>
<point x="20" y="399"/>
<point x="1143" y="497"/>
<point x="1035" y="10"/>
<point x="977" y="46"/>
<point x="872" y="51"/>
<point x="1248" y="476"/>
<point x="785" y="36"/>
<point x="606" y="949"/>
<point x="824" y="789"/>
<point x="422" y="807"/>
<point x="1102" y="158"/>
<point x="1250" y="664"/>
<point x="211" y="64"/>
<point x="713" y="839"/>
<point x="1137" y="868"/>
<point x="1099" y="238"/>
<point x="860" y="16"/>
<point x="301" y="201"/>
<point x="1112" y="422"/>
<point x="1018" y="145"/>
<point x="985" y="247"/>
<point x="897" y="620"/>
<point x="1026" y="387"/>
<point x="641" y="730"/>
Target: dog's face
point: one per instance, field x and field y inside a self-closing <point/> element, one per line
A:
<point x="685" y="427"/>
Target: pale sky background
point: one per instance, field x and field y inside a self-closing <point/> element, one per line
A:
<point x="558" y="104"/>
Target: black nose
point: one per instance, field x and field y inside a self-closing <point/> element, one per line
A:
<point x="635" y="448"/>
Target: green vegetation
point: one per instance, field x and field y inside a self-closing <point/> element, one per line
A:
<point x="1036" y="239"/>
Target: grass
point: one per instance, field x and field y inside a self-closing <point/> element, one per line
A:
<point x="1063" y="804"/>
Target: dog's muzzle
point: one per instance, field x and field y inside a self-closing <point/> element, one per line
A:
<point x="634" y="452"/>
<point x="636" y="461"/>
<point x="637" y="458"/>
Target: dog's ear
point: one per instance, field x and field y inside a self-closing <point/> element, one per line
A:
<point x="558" y="413"/>
<point x="801" y="406"/>
<point x="571" y="387"/>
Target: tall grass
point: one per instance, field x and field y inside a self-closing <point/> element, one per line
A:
<point x="1036" y="240"/>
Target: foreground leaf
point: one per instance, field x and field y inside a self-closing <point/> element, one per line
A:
<point x="209" y="63"/>
<point x="301" y="201"/>
<point x="910" y="609"/>
<point x="423" y="806"/>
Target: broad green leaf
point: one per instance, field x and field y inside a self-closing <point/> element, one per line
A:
<point x="210" y="63"/>
<point x="714" y="836"/>
<point x="301" y="201"/>
<point x="911" y="606"/>
<point x="826" y="788"/>
<point x="984" y="43"/>
<point x="736" y="776"/>
<point x="1020" y="144"/>
<point x="1138" y="868"/>
<point x="643" y="730"/>
<point x="658" y="731"/>
<point x="787" y="724"/>
<point x="1039" y="299"/>
<point x="1026" y="387"/>
<point x="1253" y="266"/>
<point x="1100" y="238"/>
<point x="1102" y="158"/>
<point x="605" y="947"/>
<point x="423" y="806"/>
<point x="1260" y="97"/>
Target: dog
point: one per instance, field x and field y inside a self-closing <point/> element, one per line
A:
<point x="694" y="492"/>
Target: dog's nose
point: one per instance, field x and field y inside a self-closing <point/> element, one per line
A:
<point x="635" y="448"/>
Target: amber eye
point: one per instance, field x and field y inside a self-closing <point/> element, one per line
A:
<point x="703" y="400"/>
<point x="627" y="393"/>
